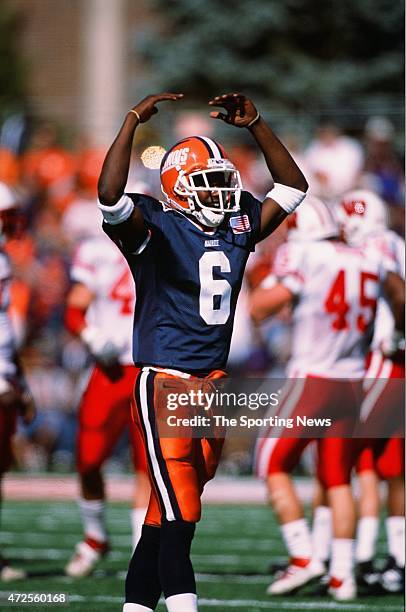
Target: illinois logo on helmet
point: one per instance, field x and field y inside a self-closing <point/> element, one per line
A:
<point x="313" y="220"/>
<point x="361" y="213"/>
<point x="198" y="179"/>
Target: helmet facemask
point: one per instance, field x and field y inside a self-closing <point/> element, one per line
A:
<point x="211" y="192"/>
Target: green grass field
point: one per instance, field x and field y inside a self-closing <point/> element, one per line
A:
<point x="231" y="552"/>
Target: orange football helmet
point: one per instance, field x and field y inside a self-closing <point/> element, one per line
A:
<point x="197" y="178"/>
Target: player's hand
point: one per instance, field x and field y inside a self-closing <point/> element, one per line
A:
<point x="240" y="110"/>
<point x="146" y="108"/>
<point x="101" y="347"/>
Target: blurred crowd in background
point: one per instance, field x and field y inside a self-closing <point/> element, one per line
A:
<point x="57" y="193"/>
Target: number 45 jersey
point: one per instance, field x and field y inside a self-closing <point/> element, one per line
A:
<point x="187" y="283"/>
<point x="336" y="288"/>
<point x="100" y="266"/>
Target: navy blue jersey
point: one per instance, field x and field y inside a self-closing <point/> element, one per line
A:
<point x="187" y="284"/>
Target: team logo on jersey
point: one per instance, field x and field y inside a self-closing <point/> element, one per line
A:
<point x="240" y="224"/>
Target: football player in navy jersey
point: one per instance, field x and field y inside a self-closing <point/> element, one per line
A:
<point x="187" y="255"/>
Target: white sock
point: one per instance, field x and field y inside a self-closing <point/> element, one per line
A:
<point x="296" y="535"/>
<point x="322" y="533"/>
<point x="137" y="521"/>
<point x="132" y="607"/>
<point x="184" y="602"/>
<point x="93" y="520"/>
<point x="342" y="558"/>
<point x="367" y="534"/>
<point x="395" y="532"/>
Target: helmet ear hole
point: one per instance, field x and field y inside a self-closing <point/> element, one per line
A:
<point x="180" y="189"/>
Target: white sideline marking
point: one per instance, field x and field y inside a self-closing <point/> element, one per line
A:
<point x="223" y="489"/>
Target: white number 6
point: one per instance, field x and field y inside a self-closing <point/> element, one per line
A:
<point x="211" y="287"/>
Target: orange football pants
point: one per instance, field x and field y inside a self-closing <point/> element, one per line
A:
<point x="179" y="467"/>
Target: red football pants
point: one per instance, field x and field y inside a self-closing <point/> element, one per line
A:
<point x="104" y="414"/>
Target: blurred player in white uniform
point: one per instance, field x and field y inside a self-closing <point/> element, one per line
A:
<point x="15" y="397"/>
<point x="333" y="290"/>
<point x="364" y="219"/>
<point x="100" y="309"/>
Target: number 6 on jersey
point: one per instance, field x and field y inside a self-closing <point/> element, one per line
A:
<point x="215" y="293"/>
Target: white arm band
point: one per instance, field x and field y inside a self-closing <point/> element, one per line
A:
<point x="288" y="198"/>
<point x="121" y="211"/>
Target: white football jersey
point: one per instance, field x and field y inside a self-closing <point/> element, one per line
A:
<point x="100" y="266"/>
<point x="389" y="247"/>
<point x="7" y="344"/>
<point x="336" y="288"/>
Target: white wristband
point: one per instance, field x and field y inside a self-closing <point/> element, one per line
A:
<point x="288" y="198"/>
<point x="120" y="212"/>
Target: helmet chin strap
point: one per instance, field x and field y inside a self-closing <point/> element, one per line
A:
<point x="209" y="217"/>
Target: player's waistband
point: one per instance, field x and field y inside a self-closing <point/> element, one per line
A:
<point x="167" y="371"/>
<point x="174" y="372"/>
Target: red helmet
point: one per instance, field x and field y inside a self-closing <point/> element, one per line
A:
<point x="198" y="178"/>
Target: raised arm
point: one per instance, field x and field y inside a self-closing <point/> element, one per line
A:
<point x="114" y="174"/>
<point x="290" y="184"/>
